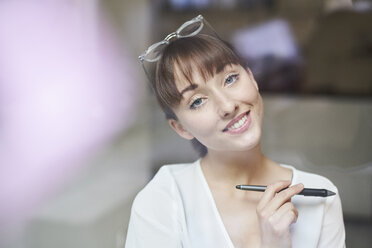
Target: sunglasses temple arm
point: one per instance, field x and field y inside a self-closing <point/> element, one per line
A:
<point x="148" y="76"/>
<point x="210" y="26"/>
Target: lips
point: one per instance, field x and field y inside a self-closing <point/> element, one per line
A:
<point x="239" y="123"/>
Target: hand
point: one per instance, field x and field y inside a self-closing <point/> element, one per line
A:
<point x="276" y="213"/>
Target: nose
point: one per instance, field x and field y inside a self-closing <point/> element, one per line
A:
<point x="227" y="107"/>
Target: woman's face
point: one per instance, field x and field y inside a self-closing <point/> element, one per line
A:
<point x="224" y="113"/>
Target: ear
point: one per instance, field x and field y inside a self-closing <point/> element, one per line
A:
<point x="176" y="126"/>
<point x="252" y="77"/>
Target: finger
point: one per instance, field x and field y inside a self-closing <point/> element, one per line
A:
<point x="271" y="191"/>
<point x="283" y="210"/>
<point x="285" y="196"/>
<point x="281" y="220"/>
<point x="287" y="219"/>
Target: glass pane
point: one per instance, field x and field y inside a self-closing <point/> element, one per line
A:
<point x="191" y="29"/>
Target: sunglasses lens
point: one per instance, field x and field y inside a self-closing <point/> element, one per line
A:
<point x="191" y="29"/>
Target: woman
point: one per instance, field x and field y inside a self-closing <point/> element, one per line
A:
<point x="211" y="98"/>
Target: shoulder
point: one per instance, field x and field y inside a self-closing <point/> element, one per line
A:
<point x="162" y="188"/>
<point x="157" y="215"/>
<point x="311" y="180"/>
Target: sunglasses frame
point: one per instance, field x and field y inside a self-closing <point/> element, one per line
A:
<point x="174" y="35"/>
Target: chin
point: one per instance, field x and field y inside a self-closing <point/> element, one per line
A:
<point x="242" y="145"/>
<point x="251" y="142"/>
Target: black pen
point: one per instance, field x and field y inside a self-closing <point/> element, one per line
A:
<point x="305" y="191"/>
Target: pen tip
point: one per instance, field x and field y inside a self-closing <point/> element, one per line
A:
<point x="238" y="186"/>
<point x="330" y="193"/>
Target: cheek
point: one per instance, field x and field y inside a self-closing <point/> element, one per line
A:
<point x="199" y="124"/>
<point x="251" y="96"/>
<point x="247" y="93"/>
<point x="256" y="101"/>
<point x="260" y="107"/>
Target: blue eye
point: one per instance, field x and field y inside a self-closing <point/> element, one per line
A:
<point x="231" y="79"/>
<point x="197" y="103"/>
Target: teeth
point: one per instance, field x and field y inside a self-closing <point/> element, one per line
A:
<point x="238" y="123"/>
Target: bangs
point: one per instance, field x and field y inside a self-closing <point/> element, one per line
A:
<point x="206" y="54"/>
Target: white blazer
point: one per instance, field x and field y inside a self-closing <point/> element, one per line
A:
<point x="176" y="209"/>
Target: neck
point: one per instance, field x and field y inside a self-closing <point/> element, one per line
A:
<point x="247" y="167"/>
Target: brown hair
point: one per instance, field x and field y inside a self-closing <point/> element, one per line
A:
<point x="208" y="54"/>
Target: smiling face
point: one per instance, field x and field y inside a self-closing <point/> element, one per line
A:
<point x="224" y="112"/>
<point x="207" y="94"/>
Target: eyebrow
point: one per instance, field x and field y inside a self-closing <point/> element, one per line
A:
<point x="188" y="88"/>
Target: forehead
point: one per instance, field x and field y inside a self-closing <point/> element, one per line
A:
<point x="196" y="76"/>
<point x="191" y="77"/>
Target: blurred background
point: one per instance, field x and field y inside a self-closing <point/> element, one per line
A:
<point x="81" y="133"/>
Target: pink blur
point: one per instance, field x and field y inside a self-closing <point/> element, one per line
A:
<point x="66" y="88"/>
